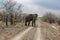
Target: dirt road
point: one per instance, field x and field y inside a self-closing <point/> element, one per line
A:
<point x="31" y="33"/>
<point x="42" y="31"/>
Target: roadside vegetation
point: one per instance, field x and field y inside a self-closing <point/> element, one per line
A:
<point x="11" y="20"/>
<point x="50" y="18"/>
<point x="11" y="12"/>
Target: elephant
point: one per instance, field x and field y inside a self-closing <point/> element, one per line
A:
<point x="31" y="18"/>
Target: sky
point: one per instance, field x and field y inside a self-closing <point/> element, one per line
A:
<point x="40" y="6"/>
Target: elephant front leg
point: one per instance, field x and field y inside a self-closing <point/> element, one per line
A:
<point x="25" y="23"/>
<point x="33" y="23"/>
<point x="28" y="23"/>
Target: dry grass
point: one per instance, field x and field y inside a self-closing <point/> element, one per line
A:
<point x="10" y="31"/>
<point x="50" y="33"/>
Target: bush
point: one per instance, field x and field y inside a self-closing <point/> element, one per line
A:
<point x="44" y="19"/>
<point x="49" y="17"/>
<point x="58" y="21"/>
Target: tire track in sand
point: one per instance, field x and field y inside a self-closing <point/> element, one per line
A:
<point x="20" y="35"/>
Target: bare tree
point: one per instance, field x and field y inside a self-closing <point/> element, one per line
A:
<point x="10" y="8"/>
<point x="18" y="13"/>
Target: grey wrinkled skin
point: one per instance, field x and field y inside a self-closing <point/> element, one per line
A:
<point x="29" y="18"/>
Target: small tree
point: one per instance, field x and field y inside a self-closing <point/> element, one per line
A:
<point x="6" y="18"/>
<point x="1" y="16"/>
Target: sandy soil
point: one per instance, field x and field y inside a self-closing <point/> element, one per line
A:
<point x="50" y="31"/>
<point x="32" y="33"/>
<point x="42" y="31"/>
